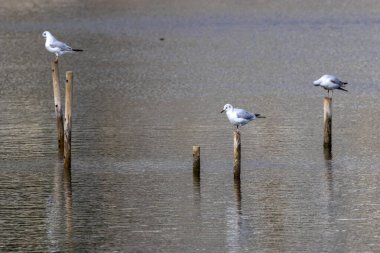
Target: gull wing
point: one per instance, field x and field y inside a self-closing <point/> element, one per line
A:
<point x="338" y="82"/>
<point x="60" y="45"/>
<point x="240" y="113"/>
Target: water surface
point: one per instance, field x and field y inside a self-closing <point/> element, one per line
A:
<point x="150" y="84"/>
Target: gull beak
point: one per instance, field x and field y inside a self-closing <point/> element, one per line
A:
<point x="222" y="111"/>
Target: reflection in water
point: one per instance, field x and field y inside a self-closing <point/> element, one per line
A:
<point x="60" y="212"/>
<point x="197" y="194"/>
<point x="328" y="164"/>
<point x="142" y="103"/>
<point x="327" y="153"/>
<point x="237" y="187"/>
<point x="68" y="207"/>
<point x="234" y="221"/>
<point x="330" y="182"/>
<point x="273" y="215"/>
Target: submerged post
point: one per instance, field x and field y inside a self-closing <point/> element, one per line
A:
<point x="327" y="115"/>
<point x="196" y="161"/>
<point x="237" y="155"/>
<point x="69" y="97"/>
<point x="57" y="103"/>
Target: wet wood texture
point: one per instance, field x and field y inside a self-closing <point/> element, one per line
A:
<point x="237" y="154"/>
<point x="68" y="108"/>
<point x="327" y="116"/>
<point x="57" y="105"/>
<point x="196" y="161"/>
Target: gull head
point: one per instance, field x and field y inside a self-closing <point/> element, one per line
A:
<point x="227" y="107"/>
<point x="46" y="34"/>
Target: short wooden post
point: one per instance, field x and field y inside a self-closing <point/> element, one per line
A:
<point x="327" y="103"/>
<point x="57" y="103"/>
<point x="237" y="155"/>
<point x="69" y="97"/>
<point x="196" y="161"/>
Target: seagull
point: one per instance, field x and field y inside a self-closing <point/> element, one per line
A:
<point x="239" y="117"/>
<point x="57" y="47"/>
<point x="330" y="82"/>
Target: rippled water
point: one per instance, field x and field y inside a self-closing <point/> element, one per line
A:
<point x="150" y="84"/>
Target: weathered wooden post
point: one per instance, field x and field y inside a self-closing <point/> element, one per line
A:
<point x="237" y="154"/>
<point x="68" y="104"/>
<point x="57" y="103"/>
<point x="327" y="115"/>
<point x="196" y="161"/>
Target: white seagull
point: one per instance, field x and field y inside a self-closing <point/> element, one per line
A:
<point x="57" y="47"/>
<point x="330" y="82"/>
<point x="239" y="117"/>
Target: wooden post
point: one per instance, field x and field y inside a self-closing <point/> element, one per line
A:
<point x="69" y="97"/>
<point x="196" y="161"/>
<point x="237" y="155"/>
<point x="57" y="103"/>
<point x="327" y="102"/>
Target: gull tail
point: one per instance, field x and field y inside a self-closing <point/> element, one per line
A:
<point x="340" y="88"/>
<point x="77" y="50"/>
<point x="259" y="116"/>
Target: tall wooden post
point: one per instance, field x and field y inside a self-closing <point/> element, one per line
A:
<point x="327" y="115"/>
<point x="237" y="155"/>
<point x="69" y="97"/>
<point x="196" y="161"/>
<point x="57" y="103"/>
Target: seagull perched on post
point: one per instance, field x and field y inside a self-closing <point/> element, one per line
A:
<point x="239" y="117"/>
<point x="330" y="82"/>
<point x="57" y="47"/>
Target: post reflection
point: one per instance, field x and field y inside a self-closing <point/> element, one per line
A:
<point x="327" y="152"/>
<point x="60" y="212"/>
<point x="197" y="187"/>
<point x="68" y="207"/>
<point x="197" y="195"/>
<point x="237" y="187"/>
<point x="329" y="169"/>
<point x="234" y="220"/>
<point x="329" y="175"/>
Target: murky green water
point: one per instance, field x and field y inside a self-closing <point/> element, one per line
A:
<point x="142" y="102"/>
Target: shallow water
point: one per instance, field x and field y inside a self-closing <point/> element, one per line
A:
<point x="141" y="103"/>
